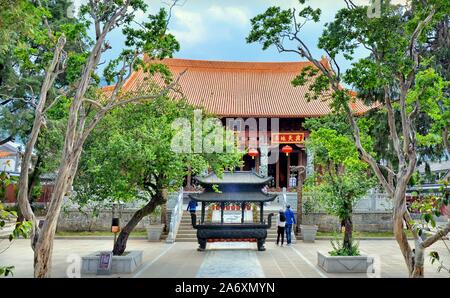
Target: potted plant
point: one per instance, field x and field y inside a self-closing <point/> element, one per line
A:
<point x="155" y="228"/>
<point x="308" y="232"/>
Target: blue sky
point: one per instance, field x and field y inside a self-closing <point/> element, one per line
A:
<point x="216" y="29"/>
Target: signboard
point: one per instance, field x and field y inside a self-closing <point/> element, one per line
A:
<point x="288" y="138"/>
<point x="104" y="263"/>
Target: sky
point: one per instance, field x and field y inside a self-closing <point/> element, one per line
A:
<point x="216" y="29"/>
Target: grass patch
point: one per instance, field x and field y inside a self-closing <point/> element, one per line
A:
<point x="357" y="234"/>
<point x="98" y="233"/>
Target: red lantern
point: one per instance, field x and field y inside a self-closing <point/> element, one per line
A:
<point x="286" y="149"/>
<point x="253" y="152"/>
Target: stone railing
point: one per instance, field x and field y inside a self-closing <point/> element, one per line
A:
<point x="175" y="218"/>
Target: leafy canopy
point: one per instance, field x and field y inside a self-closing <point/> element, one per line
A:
<point x="129" y="155"/>
<point x="342" y="178"/>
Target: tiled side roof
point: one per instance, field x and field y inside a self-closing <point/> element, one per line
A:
<point x="243" y="89"/>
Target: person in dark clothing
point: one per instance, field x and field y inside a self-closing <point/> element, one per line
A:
<point x="192" y="206"/>
<point x="281" y="221"/>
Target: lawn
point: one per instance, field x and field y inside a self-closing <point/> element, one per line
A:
<point x="362" y="234"/>
<point x="98" y="233"/>
<point x="144" y="234"/>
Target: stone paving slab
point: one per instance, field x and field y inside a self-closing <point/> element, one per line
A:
<point x="230" y="259"/>
<point x="182" y="260"/>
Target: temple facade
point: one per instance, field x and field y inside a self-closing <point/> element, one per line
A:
<point x="246" y="94"/>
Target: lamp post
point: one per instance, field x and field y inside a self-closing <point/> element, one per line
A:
<point x="300" y="171"/>
<point x="117" y="209"/>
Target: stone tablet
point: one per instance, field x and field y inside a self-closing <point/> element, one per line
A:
<point x="104" y="264"/>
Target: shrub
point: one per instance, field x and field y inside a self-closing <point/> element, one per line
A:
<point x="340" y="250"/>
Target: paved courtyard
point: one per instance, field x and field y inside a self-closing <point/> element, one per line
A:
<point x="182" y="260"/>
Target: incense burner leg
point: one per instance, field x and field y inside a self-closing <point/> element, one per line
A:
<point x="260" y="243"/>
<point x="202" y="244"/>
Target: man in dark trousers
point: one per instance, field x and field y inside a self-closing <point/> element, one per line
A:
<point x="290" y="220"/>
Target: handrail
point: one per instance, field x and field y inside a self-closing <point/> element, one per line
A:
<point x="175" y="218"/>
<point x="284" y="197"/>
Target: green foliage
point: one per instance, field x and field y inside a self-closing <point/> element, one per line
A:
<point x="435" y="258"/>
<point x="310" y="204"/>
<point x="429" y="206"/>
<point x="428" y="93"/>
<point x="26" y="47"/>
<point x="340" y="250"/>
<point x="268" y="28"/>
<point x="387" y="39"/>
<point x="151" y="39"/>
<point x="7" y="270"/>
<point x="21" y="230"/>
<point x="5" y="181"/>
<point x="129" y="155"/>
<point x="342" y="178"/>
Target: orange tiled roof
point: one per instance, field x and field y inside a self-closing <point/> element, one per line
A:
<point x="243" y="89"/>
<point x="5" y="154"/>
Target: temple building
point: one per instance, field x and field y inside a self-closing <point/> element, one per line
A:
<point x="258" y="90"/>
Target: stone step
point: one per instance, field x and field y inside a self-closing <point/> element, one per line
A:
<point x="268" y="240"/>
<point x="182" y="224"/>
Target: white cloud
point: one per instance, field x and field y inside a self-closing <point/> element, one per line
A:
<point x="194" y="27"/>
<point x="189" y="27"/>
<point x="229" y="14"/>
<point x="367" y="2"/>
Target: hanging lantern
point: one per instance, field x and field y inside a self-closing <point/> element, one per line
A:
<point x="253" y="152"/>
<point x="286" y="149"/>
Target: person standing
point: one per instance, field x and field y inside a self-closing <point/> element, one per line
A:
<point x="281" y="222"/>
<point x="290" y="220"/>
<point x="192" y="206"/>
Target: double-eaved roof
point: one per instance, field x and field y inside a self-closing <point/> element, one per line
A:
<point x="240" y="186"/>
<point x="244" y="89"/>
<point x="238" y="177"/>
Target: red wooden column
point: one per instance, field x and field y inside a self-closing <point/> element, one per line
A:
<point x="277" y="173"/>
<point x="257" y="164"/>
<point x="288" y="171"/>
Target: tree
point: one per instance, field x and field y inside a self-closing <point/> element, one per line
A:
<point x="88" y="105"/>
<point x="394" y="77"/>
<point x="25" y="52"/>
<point x="343" y="178"/>
<point x="129" y="156"/>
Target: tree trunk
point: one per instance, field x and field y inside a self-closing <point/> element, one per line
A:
<point x="399" y="231"/>
<point x="348" y="231"/>
<point x="121" y="242"/>
<point x="22" y="196"/>
<point x="419" y="259"/>
<point x="44" y="244"/>
<point x="42" y="256"/>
